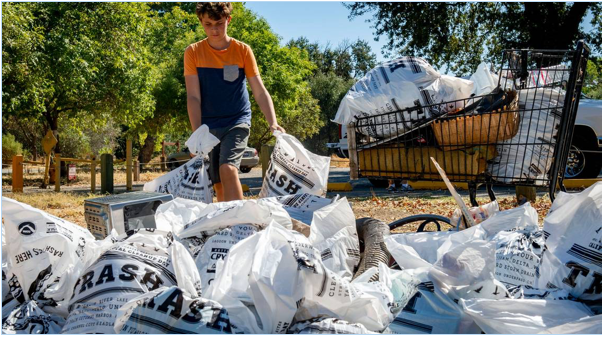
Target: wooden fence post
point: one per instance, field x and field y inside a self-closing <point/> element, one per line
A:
<point x="136" y="170"/>
<point x="128" y="165"/>
<point x="93" y="175"/>
<point x="106" y="173"/>
<point x="57" y="172"/>
<point x="266" y="153"/>
<point x="18" y="174"/>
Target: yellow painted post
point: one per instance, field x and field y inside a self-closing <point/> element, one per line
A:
<point x="93" y="175"/>
<point x="57" y="172"/>
<point x="18" y="174"/>
<point x="128" y="165"/>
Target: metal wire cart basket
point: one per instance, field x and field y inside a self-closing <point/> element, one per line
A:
<point x="519" y="135"/>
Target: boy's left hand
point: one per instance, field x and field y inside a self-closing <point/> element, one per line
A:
<point x="276" y="128"/>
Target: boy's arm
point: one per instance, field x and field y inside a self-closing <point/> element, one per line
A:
<point x="193" y="100"/>
<point x="264" y="100"/>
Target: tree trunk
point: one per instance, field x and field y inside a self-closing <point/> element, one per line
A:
<point x="146" y="152"/>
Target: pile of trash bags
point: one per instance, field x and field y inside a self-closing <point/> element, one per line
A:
<point x="398" y="100"/>
<point x="302" y="264"/>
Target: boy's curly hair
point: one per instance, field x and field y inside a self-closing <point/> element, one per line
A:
<point x="215" y="10"/>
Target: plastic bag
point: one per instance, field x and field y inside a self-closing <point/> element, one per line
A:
<point x="586" y="325"/>
<point x="479" y="214"/>
<point x="430" y="311"/>
<point x="300" y="206"/>
<point x="191" y="180"/>
<point x="334" y="235"/>
<point x="294" y="170"/>
<point x="46" y="254"/>
<point x="575" y="245"/>
<point x="328" y="326"/>
<point x="522" y="316"/>
<point x="131" y="267"/>
<point x="171" y="310"/>
<point x="530" y="153"/>
<point x="286" y="279"/>
<point x="29" y="318"/>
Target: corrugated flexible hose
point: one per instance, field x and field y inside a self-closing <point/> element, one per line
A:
<point x="371" y="233"/>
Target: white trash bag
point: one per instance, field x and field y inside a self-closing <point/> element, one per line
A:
<point x="574" y="240"/>
<point x="522" y="316"/>
<point x="129" y="268"/>
<point x="294" y="170"/>
<point x="286" y="279"/>
<point x="191" y="180"/>
<point x="334" y="235"/>
<point x="29" y="318"/>
<point x="430" y="311"/>
<point x="171" y="310"/>
<point x="328" y="326"/>
<point x="45" y="254"/>
<point x="530" y="153"/>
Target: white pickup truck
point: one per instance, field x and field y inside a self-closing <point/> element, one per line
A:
<point x="585" y="157"/>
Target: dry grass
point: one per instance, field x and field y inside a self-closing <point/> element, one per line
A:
<point x="70" y="206"/>
<point x="391" y="209"/>
<point x="337" y="162"/>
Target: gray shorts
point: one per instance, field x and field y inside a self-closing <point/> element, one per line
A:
<point x="233" y="141"/>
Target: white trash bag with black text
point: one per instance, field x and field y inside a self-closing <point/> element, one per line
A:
<point x="171" y="310"/>
<point x="294" y="170"/>
<point x="131" y="267"/>
<point x="191" y="180"/>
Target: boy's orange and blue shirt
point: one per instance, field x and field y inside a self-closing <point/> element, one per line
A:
<point x="222" y="78"/>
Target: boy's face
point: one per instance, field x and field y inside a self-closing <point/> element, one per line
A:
<point x="215" y="29"/>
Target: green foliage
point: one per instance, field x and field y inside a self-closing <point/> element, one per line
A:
<point x="68" y="59"/>
<point x="459" y="35"/>
<point x="348" y="60"/>
<point x="10" y="147"/>
<point x="593" y="79"/>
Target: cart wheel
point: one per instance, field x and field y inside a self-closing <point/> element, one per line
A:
<point x="424" y="218"/>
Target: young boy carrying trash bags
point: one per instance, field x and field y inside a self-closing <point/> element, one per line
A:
<point x="215" y="70"/>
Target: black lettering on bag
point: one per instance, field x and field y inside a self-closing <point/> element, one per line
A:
<point x="411" y="306"/>
<point x="292" y="188"/>
<point x="596" y="287"/>
<point x="576" y="269"/>
<point x="130" y="272"/>
<point x="281" y="180"/>
<point x="106" y="273"/>
<point x="151" y="280"/>
<point x="272" y="174"/>
<point x="174" y="300"/>
<point x="87" y="281"/>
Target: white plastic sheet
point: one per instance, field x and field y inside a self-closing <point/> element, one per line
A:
<point x="171" y="310"/>
<point x="294" y="170"/>
<point x="524" y="316"/>
<point x="191" y="180"/>
<point x="131" y="267"/>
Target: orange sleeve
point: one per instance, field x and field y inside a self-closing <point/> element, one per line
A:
<point x="251" y="69"/>
<point x="190" y="61"/>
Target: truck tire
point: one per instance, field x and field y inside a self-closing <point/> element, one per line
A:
<point x="245" y="170"/>
<point x="582" y="164"/>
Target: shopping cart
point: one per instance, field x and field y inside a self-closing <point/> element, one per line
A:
<point x="519" y="135"/>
